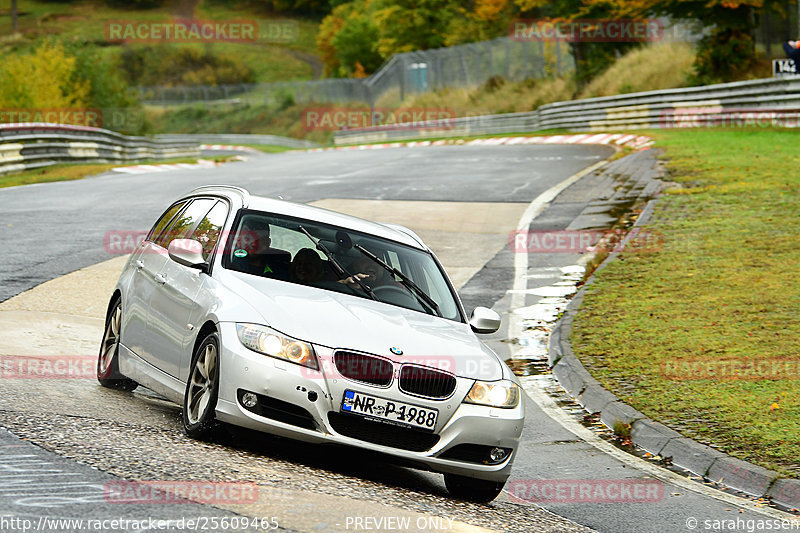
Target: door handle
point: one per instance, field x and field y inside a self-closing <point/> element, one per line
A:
<point x="139" y="264"/>
<point x="160" y="279"/>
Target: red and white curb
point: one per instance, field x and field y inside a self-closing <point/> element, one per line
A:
<point x="637" y="142"/>
<point x="145" y="169"/>
<point x="229" y="148"/>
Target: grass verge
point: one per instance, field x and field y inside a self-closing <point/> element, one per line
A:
<point x="269" y="148"/>
<point x="72" y="171"/>
<point x="702" y="334"/>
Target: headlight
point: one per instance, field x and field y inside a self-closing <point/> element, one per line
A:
<point x="503" y="394"/>
<point x="264" y="340"/>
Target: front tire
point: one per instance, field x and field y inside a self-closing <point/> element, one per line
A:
<point x="108" y="373"/>
<point x="202" y="389"/>
<point x="471" y="489"/>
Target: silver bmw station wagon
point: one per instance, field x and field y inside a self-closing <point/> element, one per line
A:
<point x="317" y="326"/>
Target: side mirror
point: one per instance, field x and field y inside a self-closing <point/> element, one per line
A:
<point x="188" y="252"/>
<point x="484" y="320"/>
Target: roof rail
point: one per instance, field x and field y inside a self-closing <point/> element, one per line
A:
<point x="244" y="192"/>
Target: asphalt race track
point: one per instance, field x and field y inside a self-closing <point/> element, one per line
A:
<point x="98" y="435"/>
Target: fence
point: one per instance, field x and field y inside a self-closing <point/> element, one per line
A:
<point x="412" y="72"/>
<point x="27" y="146"/>
<point x="758" y="103"/>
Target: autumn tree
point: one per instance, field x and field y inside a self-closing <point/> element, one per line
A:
<point x="591" y="58"/>
<point x="480" y="20"/>
<point x="367" y="32"/>
<point x="726" y="52"/>
<point x="45" y="79"/>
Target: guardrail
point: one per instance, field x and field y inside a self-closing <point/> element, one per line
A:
<point x="235" y="138"/>
<point x="33" y="145"/>
<point x="765" y="102"/>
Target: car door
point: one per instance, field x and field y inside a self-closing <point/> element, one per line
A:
<point x="147" y="261"/>
<point x="174" y="302"/>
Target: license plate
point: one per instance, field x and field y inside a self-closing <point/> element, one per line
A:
<point x="389" y="411"/>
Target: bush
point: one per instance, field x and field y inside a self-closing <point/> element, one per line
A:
<point x="725" y="55"/>
<point x="45" y="79"/>
<point x="356" y="43"/>
<point x="183" y="65"/>
<point x="648" y="68"/>
<point x="135" y="4"/>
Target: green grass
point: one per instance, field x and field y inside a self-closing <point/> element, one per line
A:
<point x="76" y="171"/>
<point x="281" y="119"/>
<point x="723" y="287"/>
<point x="269" y="148"/>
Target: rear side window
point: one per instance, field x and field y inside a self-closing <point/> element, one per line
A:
<point x="208" y="231"/>
<point x="164" y="221"/>
<point x="184" y="223"/>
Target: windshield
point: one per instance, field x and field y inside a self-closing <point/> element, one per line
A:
<point x="332" y="258"/>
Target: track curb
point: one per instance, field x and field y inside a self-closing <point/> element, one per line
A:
<point x="652" y="436"/>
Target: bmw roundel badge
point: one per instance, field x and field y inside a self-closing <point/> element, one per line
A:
<point x="396" y="351"/>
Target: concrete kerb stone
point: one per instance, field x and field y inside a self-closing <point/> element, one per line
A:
<point x="558" y="344"/>
<point x="691" y="455"/>
<point x="554" y="352"/>
<point x="785" y="492"/>
<point x="617" y="412"/>
<point x="740" y="475"/>
<point x="572" y="375"/>
<point x="595" y="397"/>
<point x="652" y="436"/>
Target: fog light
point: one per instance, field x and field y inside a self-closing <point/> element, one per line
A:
<point x="250" y="400"/>
<point x="497" y="454"/>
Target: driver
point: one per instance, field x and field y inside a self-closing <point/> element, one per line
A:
<point x="370" y="273"/>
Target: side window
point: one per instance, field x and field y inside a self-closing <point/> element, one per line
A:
<point x="165" y="219"/>
<point x="184" y="223"/>
<point x="208" y="231"/>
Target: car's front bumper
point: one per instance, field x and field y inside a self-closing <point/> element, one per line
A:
<point x="319" y="395"/>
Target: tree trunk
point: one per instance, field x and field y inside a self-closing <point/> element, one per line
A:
<point x="14" y="16"/>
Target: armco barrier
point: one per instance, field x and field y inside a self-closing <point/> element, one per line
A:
<point x="764" y="102"/>
<point x="33" y="145"/>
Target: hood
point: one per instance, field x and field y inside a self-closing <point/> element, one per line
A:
<point x="336" y="320"/>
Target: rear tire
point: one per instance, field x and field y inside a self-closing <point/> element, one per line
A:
<point x="108" y="373"/>
<point x="202" y="389"/>
<point x="471" y="489"/>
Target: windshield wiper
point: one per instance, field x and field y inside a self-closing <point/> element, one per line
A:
<point x="340" y="270"/>
<point x="421" y="296"/>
